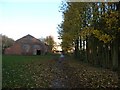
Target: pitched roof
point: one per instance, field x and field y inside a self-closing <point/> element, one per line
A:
<point x="28" y="38"/>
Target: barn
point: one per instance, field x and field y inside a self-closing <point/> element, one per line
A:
<point x="27" y="45"/>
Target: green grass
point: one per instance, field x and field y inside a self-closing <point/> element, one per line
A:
<point x="21" y="71"/>
<point x="16" y="58"/>
<point x="39" y="72"/>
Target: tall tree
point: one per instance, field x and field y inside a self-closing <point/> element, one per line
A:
<point x="71" y="26"/>
<point x="49" y="40"/>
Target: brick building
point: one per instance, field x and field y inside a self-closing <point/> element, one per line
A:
<point x="27" y="45"/>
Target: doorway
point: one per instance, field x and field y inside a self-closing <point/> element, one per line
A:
<point x="38" y="52"/>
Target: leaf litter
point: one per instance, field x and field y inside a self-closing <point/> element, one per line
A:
<point x="67" y="74"/>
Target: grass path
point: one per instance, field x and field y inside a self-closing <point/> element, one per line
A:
<point x="46" y="72"/>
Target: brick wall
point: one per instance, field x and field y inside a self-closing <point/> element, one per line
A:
<point x="15" y="49"/>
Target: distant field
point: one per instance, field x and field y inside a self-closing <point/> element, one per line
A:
<point x="20" y="71"/>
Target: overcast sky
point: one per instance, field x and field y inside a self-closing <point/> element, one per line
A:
<point x="36" y="17"/>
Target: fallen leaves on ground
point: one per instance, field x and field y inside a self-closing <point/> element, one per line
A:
<point x="53" y="74"/>
<point x="92" y="77"/>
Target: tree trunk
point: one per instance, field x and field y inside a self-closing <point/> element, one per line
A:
<point x="115" y="55"/>
<point x="118" y="8"/>
<point x="119" y="64"/>
<point x="100" y="54"/>
<point x="94" y="57"/>
<point x="76" y="48"/>
<point x="87" y="51"/>
<point x="80" y="44"/>
<point x="90" y="51"/>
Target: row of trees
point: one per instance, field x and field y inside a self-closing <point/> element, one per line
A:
<point x="92" y="30"/>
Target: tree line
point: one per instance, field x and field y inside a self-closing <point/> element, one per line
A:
<point x="92" y="31"/>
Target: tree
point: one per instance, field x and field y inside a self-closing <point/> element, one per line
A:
<point x="69" y="29"/>
<point x="6" y="42"/>
<point x="49" y="40"/>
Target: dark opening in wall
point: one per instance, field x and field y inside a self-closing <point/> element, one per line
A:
<point x="38" y="52"/>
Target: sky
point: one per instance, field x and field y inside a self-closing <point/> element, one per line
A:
<point x="38" y="18"/>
